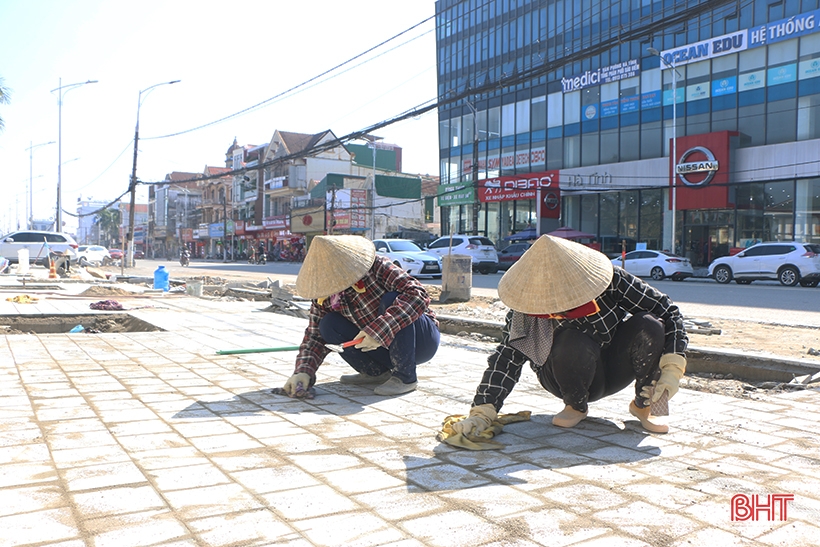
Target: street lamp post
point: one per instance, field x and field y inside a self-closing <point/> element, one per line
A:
<point x="62" y="89"/>
<point x="476" y="203"/>
<point x="30" y="212"/>
<point x="133" y="186"/>
<point x="654" y="51"/>
<point x="372" y="145"/>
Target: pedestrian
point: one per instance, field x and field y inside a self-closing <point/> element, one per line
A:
<point x="358" y="295"/>
<point x="588" y="330"/>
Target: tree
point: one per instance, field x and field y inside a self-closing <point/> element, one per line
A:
<point x="5" y="97"/>
<point x="109" y="221"/>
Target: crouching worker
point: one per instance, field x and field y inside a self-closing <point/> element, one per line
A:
<point x="358" y="295"/>
<point x="568" y="318"/>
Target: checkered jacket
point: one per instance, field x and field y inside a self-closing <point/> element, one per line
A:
<point x="625" y="294"/>
<point x="362" y="309"/>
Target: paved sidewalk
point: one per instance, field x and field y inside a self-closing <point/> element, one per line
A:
<point x="151" y="439"/>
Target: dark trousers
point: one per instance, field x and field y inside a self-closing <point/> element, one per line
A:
<point x="579" y="371"/>
<point x="412" y="345"/>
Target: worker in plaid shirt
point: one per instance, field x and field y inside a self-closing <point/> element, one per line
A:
<point x="358" y="295"/>
<point x="588" y="330"/>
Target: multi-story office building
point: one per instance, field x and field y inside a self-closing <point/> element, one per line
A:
<point x="578" y="112"/>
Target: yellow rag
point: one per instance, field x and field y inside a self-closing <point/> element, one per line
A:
<point x="22" y="299"/>
<point x="482" y="441"/>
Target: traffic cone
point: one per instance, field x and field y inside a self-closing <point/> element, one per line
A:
<point x="52" y="270"/>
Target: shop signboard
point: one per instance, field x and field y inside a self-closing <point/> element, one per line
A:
<point x="308" y="220"/>
<point x="456" y="194"/>
<point x="724" y="86"/>
<point x="524" y="186"/>
<point x="702" y="170"/>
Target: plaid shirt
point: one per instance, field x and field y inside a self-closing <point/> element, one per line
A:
<point x="362" y="309"/>
<point x="625" y="294"/>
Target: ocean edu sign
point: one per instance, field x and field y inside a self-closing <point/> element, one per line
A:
<point x="762" y="35"/>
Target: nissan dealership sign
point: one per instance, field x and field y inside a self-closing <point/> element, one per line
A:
<point x="689" y="170"/>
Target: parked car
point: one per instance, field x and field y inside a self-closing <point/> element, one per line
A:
<point x="38" y="243"/>
<point x="479" y="248"/>
<point x="409" y="257"/>
<point x="95" y="255"/>
<point x="788" y="262"/>
<point x="116" y="254"/>
<point x="510" y="254"/>
<point x="656" y="264"/>
<point x="138" y="254"/>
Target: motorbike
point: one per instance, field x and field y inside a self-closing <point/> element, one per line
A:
<point x="184" y="259"/>
<point x="262" y="258"/>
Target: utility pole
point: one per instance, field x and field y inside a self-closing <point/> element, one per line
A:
<point x="332" y="222"/>
<point x="224" y="223"/>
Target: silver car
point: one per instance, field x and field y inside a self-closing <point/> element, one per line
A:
<point x="409" y="257"/>
<point x="482" y="251"/>
<point x="39" y="244"/>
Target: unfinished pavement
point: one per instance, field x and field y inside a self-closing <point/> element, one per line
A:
<point x="150" y="438"/>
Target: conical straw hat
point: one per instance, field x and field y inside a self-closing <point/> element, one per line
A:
<point x="334" y="263"/>
<point x="555" y="275"/>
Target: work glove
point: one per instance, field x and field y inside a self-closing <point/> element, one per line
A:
<point x="672" y="367"/>
<point x="297" y="385"/>
<point x="481" y="417"/>
<point x="368" y="344"/>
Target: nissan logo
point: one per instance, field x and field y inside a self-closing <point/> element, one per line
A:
<point x="709" y="166"/>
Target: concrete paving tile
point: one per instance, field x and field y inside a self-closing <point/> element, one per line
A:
<point x="99" y="454"/>
<point x="209" y="501"/>
<point x="49" y="525"/>
<point x="438" y="478"/>
<point x="396" y="460"/>
<point x="585" y="496"/>
<point x="163" y="458"/>
<point x="73" y="426"/>
<point x="79" y="439"/>
<point x="359" y="529"/>
<point x="553" y="458"/>
<point x="16" y="436"/>
<point x="142" y="427"/>
<point x="135" y="529"/>
<point x="308" y="502"/>
<point x="295" y="444"/>
<point x="189" y="476"/>
<point x="243" y="460"/>
<point x="64" y="414"/>
<point x="613" y="540"/>
<point x="225" y="443"/>
<point x="105" y="475"/>
<point x="648" y="522"/>
<point x="115" y="501"/>
<point x="711" y="536"/>
<point x="325" y="462"/>
<point x="204" y="428"/>
<point x="400" y="503"/>
<point x="259" y="527"/>
<point x="497" y="501"/>
<point x="25" y="474"/>
<point x="153" y="441"/>
<point x="429" y="529"/>
<point x="22" y="453"/>
<point x="274" y="479"/>
<point x="14" y="501"/>
<point x="808" y="467"/>
<point x="361" y="479"/>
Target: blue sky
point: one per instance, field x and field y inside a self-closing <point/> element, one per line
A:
<point x="228" y="57"/>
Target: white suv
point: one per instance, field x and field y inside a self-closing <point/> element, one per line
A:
<point x="479" y="248"/>
<point x="38" y="244"/>
<point x="786" y="261"/>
